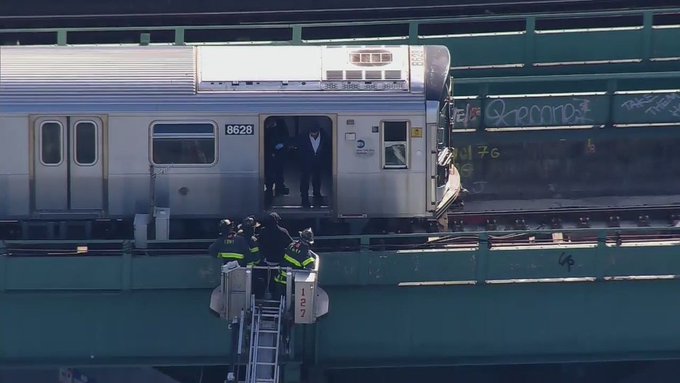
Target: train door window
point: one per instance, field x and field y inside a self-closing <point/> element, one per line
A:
<point x="85" y="143"/>
<point x="50" y="143"/>
<point x="395" y="144"/>
<point x="183" y="143"/>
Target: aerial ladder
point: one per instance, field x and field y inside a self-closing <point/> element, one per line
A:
<point x="261" y="326"/>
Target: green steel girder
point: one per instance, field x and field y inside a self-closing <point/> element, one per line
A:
<point x="643" y="45"/>
<point x="500" y="324"/>
<point x="388" y="308"/>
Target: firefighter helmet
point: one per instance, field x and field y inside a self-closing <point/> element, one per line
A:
<point x="226" y="226"/>
<point x="307" y="235"/>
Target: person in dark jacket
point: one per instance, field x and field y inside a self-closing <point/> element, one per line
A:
<point x="229" y="246"/>
<point x="273" y="241"/>
<point x="298" y="256"/>
<point x="247" y="231"/>
<point x="276" y="145"/>
<point x="314" y="153"/>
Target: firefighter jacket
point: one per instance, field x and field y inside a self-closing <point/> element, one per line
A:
<point x="298" y="256"/>
<point x="231" y="248"/>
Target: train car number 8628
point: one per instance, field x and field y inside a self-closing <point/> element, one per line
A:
<point x="239" y="129"/>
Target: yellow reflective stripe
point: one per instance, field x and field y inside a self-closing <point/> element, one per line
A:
<point x="230" y="255"/>
<point x="255" y="249"/>
<point x="281" y="278"/>
<point x="292" y="260"/>
<point x="307" y="261"/>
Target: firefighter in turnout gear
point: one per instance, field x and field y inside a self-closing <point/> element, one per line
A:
<point x="298" y="255"/>
<point x="229" y="246"/>
<point x="247" y="232"/>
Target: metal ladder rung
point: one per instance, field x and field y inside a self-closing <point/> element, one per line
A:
<point x="265" y="364"/>
<point x="264" y="359"/>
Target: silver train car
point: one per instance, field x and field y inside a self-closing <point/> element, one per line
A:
<point x="114" y="134"/>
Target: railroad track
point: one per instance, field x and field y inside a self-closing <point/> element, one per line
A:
<point x="566" y="218"/>
<point x="467" y="230"/>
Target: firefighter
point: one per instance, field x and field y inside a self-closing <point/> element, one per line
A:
<point x="229" y="246"/>
<point x="298" y="256"/>
<point x="247" y="231"/>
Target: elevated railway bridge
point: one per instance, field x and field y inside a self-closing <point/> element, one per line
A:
<point x="565" y="252"/>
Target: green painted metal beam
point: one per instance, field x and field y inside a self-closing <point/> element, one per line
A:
<point x="532" y="49"/>
<point x="499" y="324"/>
<point x="388" y="308"/>
<point x="99" y="327"/>
<point x="108" y="273"/>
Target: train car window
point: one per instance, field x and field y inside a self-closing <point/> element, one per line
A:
<point x="50" y="143"/>
<point x="86" y="143"/>
<point x="183" y="143"/>
<point x="395" y="144"/>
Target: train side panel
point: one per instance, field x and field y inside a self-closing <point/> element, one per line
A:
<point x="198" y="169"/>
<point x="128" y="186"/>
<point x="14" y="167"/>
<point x="239" y="191"/>
<point x="381" y="165"/>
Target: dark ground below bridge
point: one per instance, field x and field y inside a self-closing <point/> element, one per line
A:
<point x="620" y="372"/>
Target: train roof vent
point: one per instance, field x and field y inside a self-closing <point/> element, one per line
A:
<point x="392" y="75"/>
<point x="334" y="75"/>
<point x="354" y="75"/>
<point x="373" y="75"/>
<point x="367" y="68"/>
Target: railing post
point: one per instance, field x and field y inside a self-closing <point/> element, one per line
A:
<point x="3" y="264"/>
<point x="530" y="41"/>
<point x="62" y="37"/>
<point x="179" y="36"/>
<point x="145" y="38"/>
<point x="413" y="32"/>
<point x="296" y="34"/>
<point x="482" y="258"/>
<point x="612" y="87"/>
<point x="647" y="36"/>
<point x="600" y="255"/>
<point x="126" y="269"/>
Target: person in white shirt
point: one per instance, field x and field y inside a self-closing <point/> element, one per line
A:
<point x="314" y="152"/>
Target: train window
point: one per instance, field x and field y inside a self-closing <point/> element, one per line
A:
<point x="183" y="143"/>
<point x="86" y="143"/>
<point x="395" y="144"/>
<point x="50" y="143"/>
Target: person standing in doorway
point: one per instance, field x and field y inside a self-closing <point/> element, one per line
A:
<point x="314" y="152"/>
<point x="276" y="149"/>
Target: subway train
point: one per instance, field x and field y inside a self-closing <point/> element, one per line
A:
<point x="101" y="140"/>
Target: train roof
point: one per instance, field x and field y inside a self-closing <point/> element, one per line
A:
<point x="164" y="75"/>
